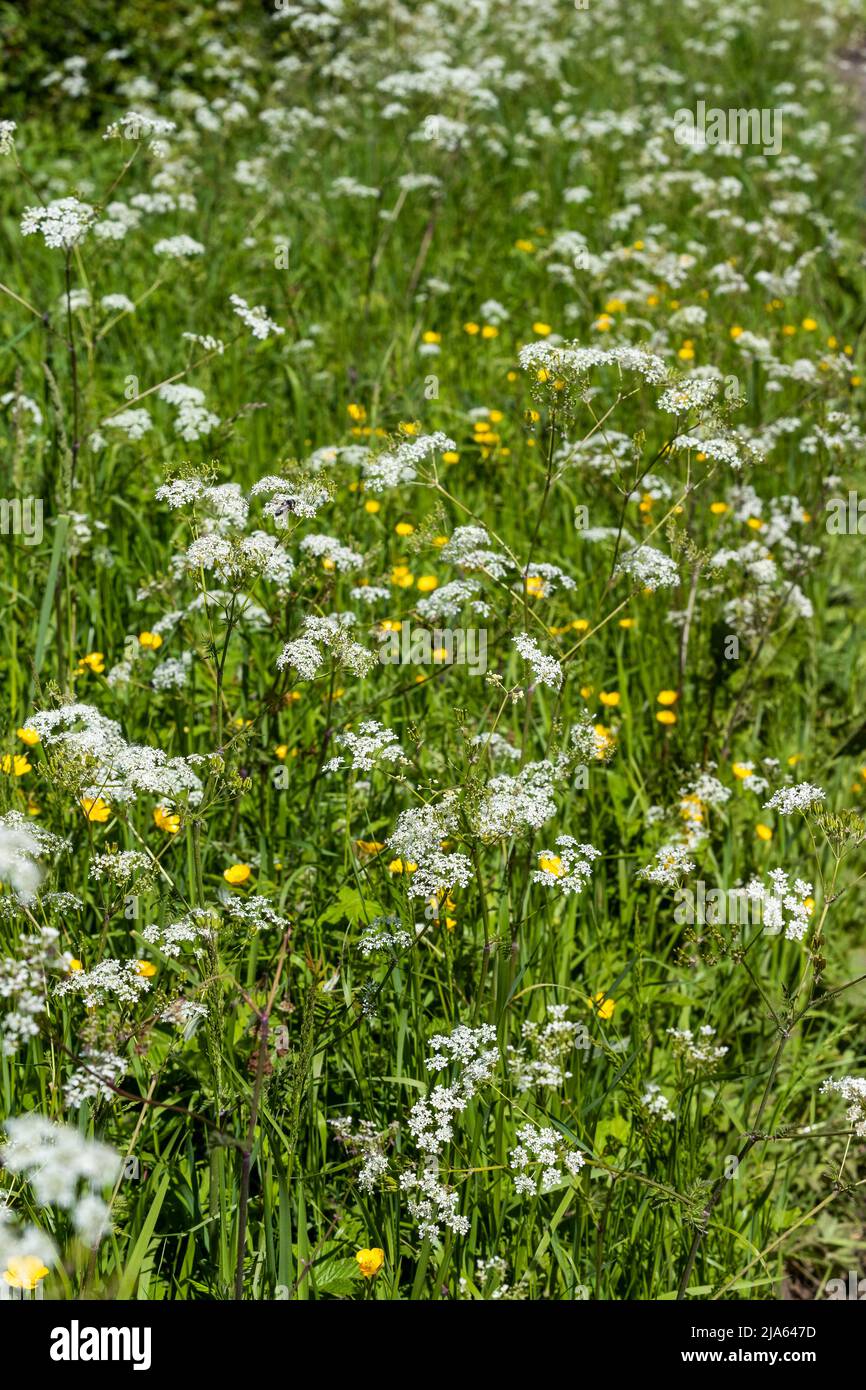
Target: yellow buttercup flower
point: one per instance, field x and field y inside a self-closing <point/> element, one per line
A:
<point x="146" y="968"/>
<point x="668" y="697"/>
<point x="356" y="413"/>
<point x="24" y="1272"/>
<point x="370" y="846"/>
<point x="94" y="661"/>
<point x="763" y="832"/>
<point x="427" y="583"/>
<point x="74" y="966"/>
<point x="404" y="528"/>
<point x="15" y="763"/>
<point x="401" y="866"/>
<point x="169" y="821"/>
<point x="95" y="809"/>
<point x="542" y="329"/>
<point x="149" y="640"/>
<point x="371" y="506"/>
<point x="370" y="1261"/>
<point x="718" y="508"/>
<point x="28" y="736"/>
<point x="611" y="698"/>
<point x="666" y="716"/>
<point x="237" y="873"/>
<point x="450" y="456"/>
<point x="550" y="864"/>
<point x="602" y="1006"/>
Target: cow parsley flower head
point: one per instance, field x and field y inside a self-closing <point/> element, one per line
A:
<point x="719" y="448"/>
<point x="64" y="1169"/>
<point x="568" y="868"/>
<point x="19" y="853"/>
<point x="97" y="1078"/>
<point x="306" y="653"/>
<point x="469" y="548"/>
<point x="852" y="1089"/>
<point x="198" y="925"/>
<point x="288" y="497"/>
<point x="134" y="423"/>
<point x="587" y="741"/>
<point x="134" y="126"/>
<point x="62" y="223"/>
<point x="541" y="580"/>
<point x="698" y="1050"/>
<point x="331" y="552"/>
<point x="93" y="747"/>
<point x="109" y="980"/>
<point x="656" y="1103"/>
<point x="384" y="934"/>
<point x="181" y="492"/>
<point x="449" y="600"/>
<point x="417" y="840"/>
<point x="193" y="419"/>
<point x="546" y="669"/>
<point x="560" y="370"/>
<point x="178" y="248"/>
<point x="671" y="862"/>
<point x="372" y="744"/>
<point x="783" y="905"/>
<point x="473" y="1054"/>
<point x="545" y="1050"/>
<point x="648" y="567"/>
<point x="185" y="1014"/>
<point x="23" y="986"/>
<point x="545" y="1150"/>
<point x="511" y="805"/>
<point x="121" y="867"/>
<point x="691" y="394"/>
<point x="255" y="317"/>
<point x="400" y="465"/>
<point x="117" y="304"/>
<point x="802" y="796"/>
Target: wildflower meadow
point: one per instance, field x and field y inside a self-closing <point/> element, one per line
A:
<point x="433" y="569"/>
